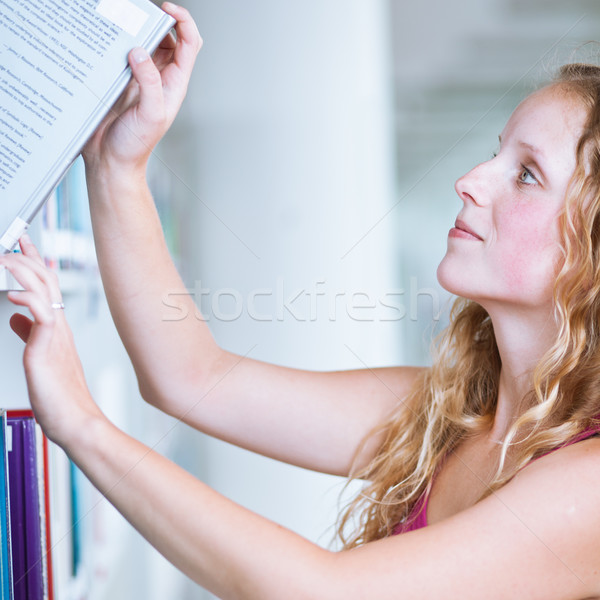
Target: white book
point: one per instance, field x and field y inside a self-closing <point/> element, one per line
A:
<point x="63" y="64"/>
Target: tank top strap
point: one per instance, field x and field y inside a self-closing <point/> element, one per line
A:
<point x="417" y="517"/>
<point x="586" y="433"/>
<point x="583" y="435"/>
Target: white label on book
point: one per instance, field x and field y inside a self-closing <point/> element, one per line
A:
<point x="9" y="438"/>
<point x="123" y="14"/>
<point x="16" y="229"/>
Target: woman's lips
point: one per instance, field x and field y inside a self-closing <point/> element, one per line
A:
<point x="462" y="230"/>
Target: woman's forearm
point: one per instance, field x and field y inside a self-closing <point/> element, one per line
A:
<point x="227" y="549"/>
<point x="139" y="277"/>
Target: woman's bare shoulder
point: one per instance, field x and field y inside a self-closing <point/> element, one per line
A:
<point x="536" y="537"/>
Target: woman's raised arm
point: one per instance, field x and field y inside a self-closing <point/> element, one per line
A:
<point x="315" y="420"/>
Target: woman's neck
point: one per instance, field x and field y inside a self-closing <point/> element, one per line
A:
<point x="523" y="336"/>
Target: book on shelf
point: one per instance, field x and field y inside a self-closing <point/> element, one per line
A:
<point x="39" y="546"/>
<point x="62" y="67"/>
<point x="65" y="228"/>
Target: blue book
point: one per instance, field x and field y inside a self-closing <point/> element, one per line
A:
<point x="75" y="518"/>
<point x="6" y="585"/>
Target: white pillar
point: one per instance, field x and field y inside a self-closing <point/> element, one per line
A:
<point x="286" y="142"/>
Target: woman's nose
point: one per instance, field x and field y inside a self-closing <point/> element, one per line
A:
<point x="471" y="188"/>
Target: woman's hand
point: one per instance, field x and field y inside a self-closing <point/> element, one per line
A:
<point x="57" y="389"/>
<point x="150" y="103"/>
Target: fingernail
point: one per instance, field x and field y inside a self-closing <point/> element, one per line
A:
<point x="168" y="5"/>
<point x="140" y="55"/>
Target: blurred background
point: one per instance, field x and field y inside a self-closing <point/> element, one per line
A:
<point x="306" y="192"/>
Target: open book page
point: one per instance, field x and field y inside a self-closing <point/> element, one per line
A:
<point x="63" y="63"/>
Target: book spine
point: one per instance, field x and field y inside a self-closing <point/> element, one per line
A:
<point x="6" y="558"/>
<point x="61" y="526"/>
<point x="49" y="565"/>
<point x="43" y="513"/>
<point x="34" y="540"/>
<point x="17" y="504"/>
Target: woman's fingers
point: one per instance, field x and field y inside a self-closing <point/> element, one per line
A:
<point x="164" y="53"/>
<point x="21" y="325"/>
<point x="176" y="75"/>
<point x="168" y="43"/>
<point x="40" y="292"/>
<point x="28" y="249"/>
<point x="40" y="288"/>
<point x="189" y="41"/>
<point x="151" y="100"/>
<point x="40" y="334"/>
<point x="33" y="275"/>
<point x="40" y="307"/>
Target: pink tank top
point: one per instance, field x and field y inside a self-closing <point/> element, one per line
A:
<point x="418" y="515"/>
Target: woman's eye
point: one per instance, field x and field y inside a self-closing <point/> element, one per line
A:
<point x="526" y="176"/>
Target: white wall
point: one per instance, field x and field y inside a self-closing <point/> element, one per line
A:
<point x="290" y="114"/>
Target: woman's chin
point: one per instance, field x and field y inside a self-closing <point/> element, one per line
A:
<point x="455" y="282"/>
<point x="447" y="279"/>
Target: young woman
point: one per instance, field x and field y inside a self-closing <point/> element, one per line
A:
<point x="493" y="448"/>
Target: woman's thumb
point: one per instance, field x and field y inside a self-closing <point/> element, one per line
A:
<point x="150" y="84"/>
<point x="21" y="325"/>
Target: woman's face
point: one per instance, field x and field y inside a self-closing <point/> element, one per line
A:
<point x="504" y="246"/>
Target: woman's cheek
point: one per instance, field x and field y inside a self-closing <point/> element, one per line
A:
<point x="531" y="257"/>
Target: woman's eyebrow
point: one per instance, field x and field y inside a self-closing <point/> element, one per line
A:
<point x="532" y="148"/>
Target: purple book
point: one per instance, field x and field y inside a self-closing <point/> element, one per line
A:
<point x="24" y="511"/>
